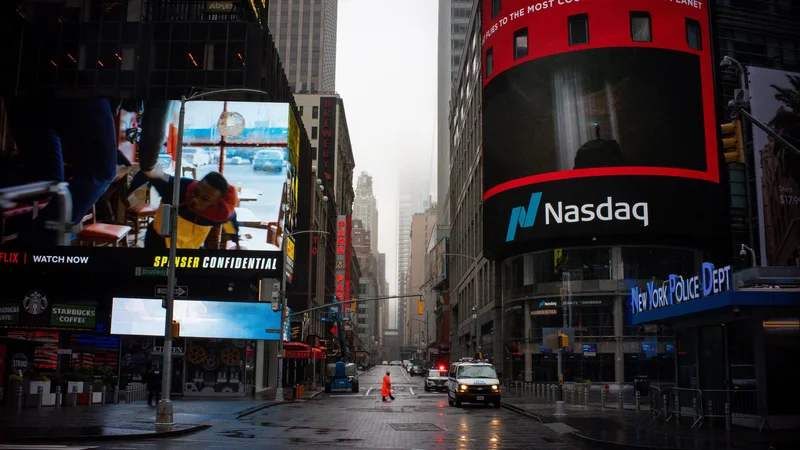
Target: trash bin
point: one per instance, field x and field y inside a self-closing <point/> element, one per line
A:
<point x="641" y="385"/>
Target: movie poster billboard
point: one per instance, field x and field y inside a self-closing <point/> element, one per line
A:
<point x="237" y="178"/>
<point x="775" y="101"/>
<point x="598" y="123"/>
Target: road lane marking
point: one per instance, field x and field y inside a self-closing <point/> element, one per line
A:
<point x="368" y="391"/>
<point x="412" y="391"/>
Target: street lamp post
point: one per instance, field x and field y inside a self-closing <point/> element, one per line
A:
<point x="164" y="413"/>
<point x="287" y="235"/>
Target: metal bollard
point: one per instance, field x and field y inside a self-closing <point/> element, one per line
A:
<point x="586" y="397"/>
<point x="603" y="398"/>
<point x="677" y="407"/>
<point x="710" y="414"/>
<point x="638" y="401"/>
<point x="103" y="396"/>
<point x="91" y="396"/>
<point x="116" y="395"/>
<point x="74" y="396"/>
<point x="727" y="416"/>
<point x="665" y="402"/>
<point x="694" y="407"/>
<point x="18" y="399"/>
<point x="620" y="399"/>
<point x="39" y="397"/>
<point x="58" y="396"/>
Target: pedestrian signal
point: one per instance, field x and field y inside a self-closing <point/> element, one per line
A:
<point x="420" y="307"/>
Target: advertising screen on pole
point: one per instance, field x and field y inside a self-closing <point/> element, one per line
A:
<point x="237" y="175"/>
<point x="598" y="121"/>
<point x="775" y="100"/>
<point x="198" y="318"/>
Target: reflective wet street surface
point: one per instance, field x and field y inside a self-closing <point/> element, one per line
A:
<point x="414" y="420"/>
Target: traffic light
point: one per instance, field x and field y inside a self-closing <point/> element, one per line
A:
<point x="420" y="307"/>
<point x="176" y="329"/>
<point x="563" y="341"/>
<point x="733" y="141"/>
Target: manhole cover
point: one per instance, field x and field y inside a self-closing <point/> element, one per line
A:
<point x="415" y="427"/>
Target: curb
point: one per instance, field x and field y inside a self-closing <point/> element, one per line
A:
<point x="578" y="437"/>
<point x="256" y="409"/>
<point x="520" y="411"/>
<point x="116" y="437"/>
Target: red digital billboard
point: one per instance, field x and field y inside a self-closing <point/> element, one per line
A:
<point x="600" y="116"/>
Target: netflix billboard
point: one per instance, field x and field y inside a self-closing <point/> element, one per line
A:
<point x="603" y="129"/>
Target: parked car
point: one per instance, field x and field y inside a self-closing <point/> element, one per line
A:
<point x="195" y="156"/>
<point x="416" y="371"/>
<point x="395" y="363"/>
<point x="271" y="160"/>
<point x="166" y="163"/>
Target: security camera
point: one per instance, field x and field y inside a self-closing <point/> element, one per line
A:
<point x="743" y="253"/>
<point x="726" y="61"/>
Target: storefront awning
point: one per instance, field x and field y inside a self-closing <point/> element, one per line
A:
<point x="295" y="346"/>
<point x="305" y="354"/>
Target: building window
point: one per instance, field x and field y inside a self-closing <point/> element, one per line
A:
<point x="489" y="62"/>
<point x="693" y="36"/>
<point x="640" y="27"/>
<point x="301" y="110"/>
<point x="313" y="132"/>
<point x="128" y="59"/>
<point x="315" y="112"/>
<point x="578" y="29"/>
<point x="521" y="43"/>
<point x="495" y="8"/>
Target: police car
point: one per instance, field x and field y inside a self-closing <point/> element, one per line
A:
<point x="473" y="381"/>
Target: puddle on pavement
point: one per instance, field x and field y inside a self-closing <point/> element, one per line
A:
<point x="237" y="434"/>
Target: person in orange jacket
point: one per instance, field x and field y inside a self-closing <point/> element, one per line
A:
<point x="386" y="389"/>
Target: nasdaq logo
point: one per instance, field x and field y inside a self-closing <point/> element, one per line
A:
<point x="558" y="213"/>
<point x="523" y="218"/>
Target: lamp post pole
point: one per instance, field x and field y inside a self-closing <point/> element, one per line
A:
<point x="164" y="412"/>
<point x="286" y="235"/>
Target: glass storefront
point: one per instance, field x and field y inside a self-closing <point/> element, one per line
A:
<point x="594" y="304"/>
<point x="220" y="367"/>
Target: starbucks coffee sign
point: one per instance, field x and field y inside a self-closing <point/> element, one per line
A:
<point x="72" y="316"/>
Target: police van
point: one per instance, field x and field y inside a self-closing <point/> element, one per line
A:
<point x="473" y="381"/>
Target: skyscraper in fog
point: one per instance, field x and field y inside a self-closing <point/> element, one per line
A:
<point x="305" y="36"/>
<point x="365" y="208"/>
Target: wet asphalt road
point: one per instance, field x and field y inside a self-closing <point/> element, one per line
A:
<point x="344" y="420"/>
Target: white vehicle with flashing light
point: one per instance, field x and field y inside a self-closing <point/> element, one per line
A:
<point x="473" y="382"/>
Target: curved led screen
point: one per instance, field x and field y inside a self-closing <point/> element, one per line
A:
<point x="598" y="123"/>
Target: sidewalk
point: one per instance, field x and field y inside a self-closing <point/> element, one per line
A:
<point x="128" y="421"/>
<point x="631" y="429"/>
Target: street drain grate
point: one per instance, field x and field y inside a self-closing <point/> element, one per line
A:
<point x="415" y="427"/>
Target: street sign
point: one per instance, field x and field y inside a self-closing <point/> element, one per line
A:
<point x="180" y="291"/>
<point x="150" y="272"/>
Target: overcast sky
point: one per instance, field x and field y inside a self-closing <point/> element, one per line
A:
<point x="386" y="75"/>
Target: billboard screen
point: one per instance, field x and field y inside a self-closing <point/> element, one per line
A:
<point x="198" y="318"/>
<point x="774" y="100"/>
<point x="604" y="126"/>
<point x="237" y="184"/>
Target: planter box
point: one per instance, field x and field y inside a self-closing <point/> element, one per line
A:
<point x="70" y="384"/>
<point x="33" y="387"/>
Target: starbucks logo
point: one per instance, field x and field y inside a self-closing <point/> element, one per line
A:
<point x="19" y="364"/>
<point x="35" y="303"/>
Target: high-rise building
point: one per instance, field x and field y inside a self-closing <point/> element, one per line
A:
<point x="423" y="226"/>
<point x="365" y="208"/>
<point x="453" y="20"/>
<point x="305" y="35"/>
